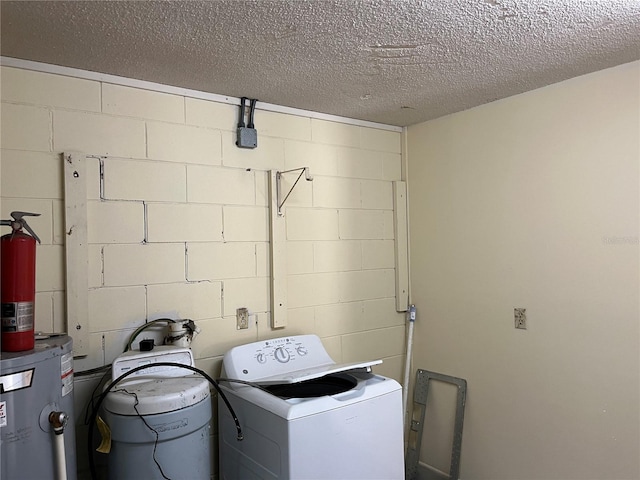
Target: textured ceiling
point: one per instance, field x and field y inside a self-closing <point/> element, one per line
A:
<point x="389" y="61"/>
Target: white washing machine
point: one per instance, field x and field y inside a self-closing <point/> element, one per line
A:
<point x="305" y="417"/>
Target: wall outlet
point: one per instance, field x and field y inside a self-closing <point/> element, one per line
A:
<point x="520" y="318"/>
<point x="242" y="318"/>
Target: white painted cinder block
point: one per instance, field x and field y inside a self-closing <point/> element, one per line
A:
<point x="392" y="167"/>
<point x="25" y="127"/>
<point x="115" y="222"/>
<point x="377" y="195"/>
<point x="378" y="254"/>
<point x="311" y="224"/>
<point x="116" y="308"/>
<point x="337" y="256"/>
<point x="31" y="174"/>
<point x="336" y="193"/>
<point x="269" y="154"/>
<point x="358" y="163"/>
<point x="314" y="289"/>
<point x="95" y="267"/>
<point x="220" y="185"/>
<point x="206" y="261"/>
<point x="27" y="86"/>
<point x="383" y="140"/>
<point x="263" y="259"/>
<point x="334" y="133"/>
<point x="386" y="342"/>
<point x="333" y="346"/>
<point x="144" y="180"/>
<point x="366" y="285"/>
<point x="115" y="342"/>
<point x="300" y="321"/>
<point x="98" y="134"/>
<point x="198" y="300"/>
<point x="59" y="234"/>
<point x="144" y="264"/>
<point x="183" y="143"/>
<point x="210" y="114"/>
<point x="95" y="356"/>
<point x="262" y="188"/>
<point x="59" y="312"/>
<point x="339" y="318"/>
<point x="362" y="224"/>
<point x="43" y="312"/>
<point x="174" y="222"/>
<point x="321" y="159"/>
<point x="282" y="125"/>
<point x="246" y="223"/>
<point x="251" y="293"/>
<point x="92" y="173"/>
<point x="135" y="102"/>
<point x="224" y="335"/>
<point x="50" y="312"/>
<point x="50" y="268"/>
<point x="299" y="257"/>
<point x="389" y="232"/>
<point x="380" y="313"/>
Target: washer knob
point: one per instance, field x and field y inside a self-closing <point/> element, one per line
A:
<point x="302" y="351"/>
<point x="261" y="358"/>
<point x="281" y="355"/>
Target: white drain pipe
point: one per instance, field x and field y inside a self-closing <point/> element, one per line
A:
<point x="58" y="420"/>
<point x="411" y="314"/>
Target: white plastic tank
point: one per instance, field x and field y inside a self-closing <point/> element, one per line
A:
<point x="33" y="384"/>
<point x="160" y="418"/>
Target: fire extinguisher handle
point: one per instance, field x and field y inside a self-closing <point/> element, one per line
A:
<point x="19" y="222"/>
<point x="17" y="216"/>
<point x="31" y="232"/>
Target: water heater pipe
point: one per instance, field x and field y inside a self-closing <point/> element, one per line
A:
<point x="58" y="420"/>
<point x="411" y="315"/>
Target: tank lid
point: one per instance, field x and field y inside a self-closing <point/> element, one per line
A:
<point x="159" y="395"/>
<point x="52" y="346"/>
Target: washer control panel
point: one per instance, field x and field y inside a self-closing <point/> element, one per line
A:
<point x="275" y="356"/>
<point x="281" y="350"/>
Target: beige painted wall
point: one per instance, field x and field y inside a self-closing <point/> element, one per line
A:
<point x="533" y="202"/>
<point x="179" y="227"/>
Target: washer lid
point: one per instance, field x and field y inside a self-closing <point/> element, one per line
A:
<point x="160" y="395"/>
<point x="283" y="360"/>
<point x="315" y="372"/>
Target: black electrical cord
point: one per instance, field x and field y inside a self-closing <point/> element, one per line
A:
<point x="94" y="413"/>
<point x="92" y="400"/>
<point x="155" y="432"/>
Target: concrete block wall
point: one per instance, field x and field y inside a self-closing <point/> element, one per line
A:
<point x="178" y="218"/>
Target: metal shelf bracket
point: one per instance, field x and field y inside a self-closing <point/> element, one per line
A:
<point x="307" y="176"/>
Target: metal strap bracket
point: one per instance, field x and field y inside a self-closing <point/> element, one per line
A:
<point x="421" y="391"/>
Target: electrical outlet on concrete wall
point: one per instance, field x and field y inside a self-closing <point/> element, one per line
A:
<point x="520" y="318"/>
<point x="242" y="318"/>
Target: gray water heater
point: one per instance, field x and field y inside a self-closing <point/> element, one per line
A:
<point x="33" y="384"/>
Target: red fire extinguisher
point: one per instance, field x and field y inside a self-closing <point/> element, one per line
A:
<point x="18" y="288"/>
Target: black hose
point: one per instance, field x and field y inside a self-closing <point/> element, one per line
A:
<point x="241" y="123"/>
<point x="252" y="111"/>
<point x="96" y="408"/>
